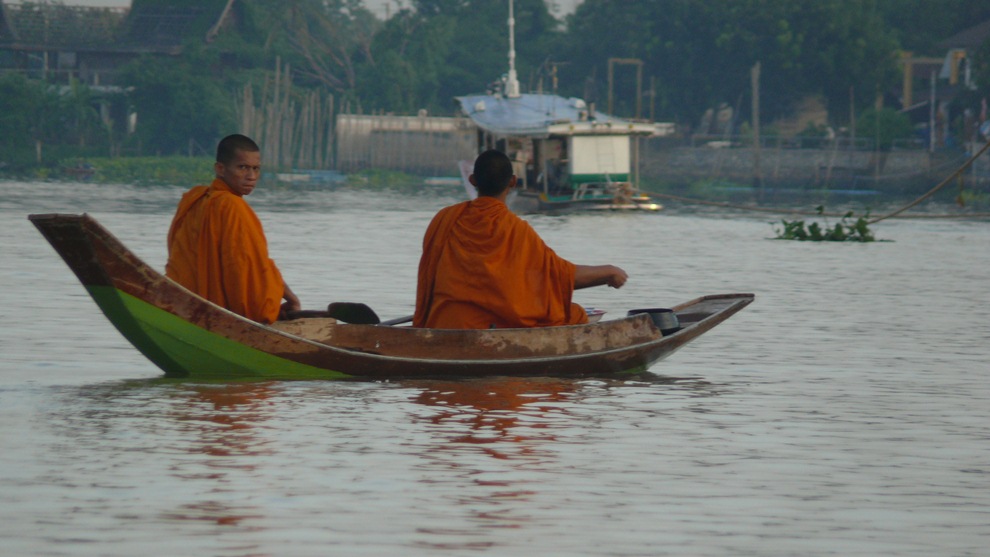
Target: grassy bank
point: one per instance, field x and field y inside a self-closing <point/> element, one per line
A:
<point x="153" y="170"/>
<point x="182" y="171"/>
<point x="126" y="170"/>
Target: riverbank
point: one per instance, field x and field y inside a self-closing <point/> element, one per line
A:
<point x="790" y="177"/>
<point x="186" y="171"/>
<point x="119" y="170"/>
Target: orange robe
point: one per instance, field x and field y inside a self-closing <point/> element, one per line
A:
<point x="217" y="249"/>
<point x="483" y="266"/>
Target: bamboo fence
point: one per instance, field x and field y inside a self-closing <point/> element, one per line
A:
<point x="301" y="129"/>
<point x="293" y="127"/>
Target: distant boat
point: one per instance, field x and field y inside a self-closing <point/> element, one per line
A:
<point x="567" y="155"/>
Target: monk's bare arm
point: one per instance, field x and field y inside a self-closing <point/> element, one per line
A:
<point x="291" y="300"/>
<point x="596" y="275"/>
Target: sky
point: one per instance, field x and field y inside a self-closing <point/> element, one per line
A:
<point x="559" y="8"/>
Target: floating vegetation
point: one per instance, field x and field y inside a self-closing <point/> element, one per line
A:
<point x="843" y="231"/>
<point x="172" y="170"/>
<point x="969" y="198"/>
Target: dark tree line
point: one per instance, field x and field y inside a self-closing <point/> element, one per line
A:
<point x="695" y="54"/>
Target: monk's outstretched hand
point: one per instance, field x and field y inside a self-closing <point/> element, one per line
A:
<point x="617" y="278"/>
<point x="586" y="276"/>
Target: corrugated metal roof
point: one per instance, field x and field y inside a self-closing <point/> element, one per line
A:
<point x="532" y="115"/>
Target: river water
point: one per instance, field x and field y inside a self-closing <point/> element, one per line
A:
<point x="845" y="412"/>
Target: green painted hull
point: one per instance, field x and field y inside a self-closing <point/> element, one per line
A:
<point x="182" y="349"/>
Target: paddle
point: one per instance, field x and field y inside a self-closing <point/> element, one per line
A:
<point x="357" y="313"/>
<point x="354" y="313"/>
<point x="303" y="314"/>
<point x="397" y="320"/>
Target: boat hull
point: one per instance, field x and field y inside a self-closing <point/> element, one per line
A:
<point x="187" y="336"/>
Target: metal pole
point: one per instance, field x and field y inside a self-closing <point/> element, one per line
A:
<point x="757" y="168"/>
<point x="931" y="116"/>
<point x="611" y="73"/>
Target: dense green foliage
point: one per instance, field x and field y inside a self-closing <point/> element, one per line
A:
<point x="39" y="120"/>
<point x="701" y="52"/>
<point x="165" y="89"/>
<point x="884" y="126"/>
<point x="695" y="54"/>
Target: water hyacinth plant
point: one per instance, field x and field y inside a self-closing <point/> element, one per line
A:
<point x="843" y="231"/>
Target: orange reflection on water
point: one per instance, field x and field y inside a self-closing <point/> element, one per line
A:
<point x="497" y="410"/>
<point x="221" y="422"/>
<point x="213" y="511"/>
<point x="225" y="417"/>
<point x="510" y="422"/>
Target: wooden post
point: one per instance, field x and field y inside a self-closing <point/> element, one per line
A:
<point x="931" y="116"/>
<point x="908" y="85"/>
<point x="611" y="76"/>
<point x="757" y="164"/>
<point x="639" y="83"/>
<point x="273" y="116"/>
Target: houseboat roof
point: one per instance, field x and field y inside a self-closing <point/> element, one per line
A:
<point x="542" y="115"/>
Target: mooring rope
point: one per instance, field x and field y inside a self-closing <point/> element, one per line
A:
<point x="893" y="214"/>
<point x="725" y="205"/>
<point x="932" y="191"/>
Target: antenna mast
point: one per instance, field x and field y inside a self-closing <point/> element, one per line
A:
<point x="512" y="82"/>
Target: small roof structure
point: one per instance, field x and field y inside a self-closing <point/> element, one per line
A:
<point x="969" y="39"/>
<point x="148" y="26"/>
<point x="57" y="26"/>
<point x="162" y="27"/>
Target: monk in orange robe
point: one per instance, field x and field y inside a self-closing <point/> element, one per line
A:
<point x="483" y="266"/>
<point x="216" y="245"/>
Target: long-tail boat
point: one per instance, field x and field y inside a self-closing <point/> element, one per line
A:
<point x="188" y="336"/>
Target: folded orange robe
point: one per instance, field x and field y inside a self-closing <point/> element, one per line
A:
<point x="217" y="249"/>
<point x="483" y="266"/>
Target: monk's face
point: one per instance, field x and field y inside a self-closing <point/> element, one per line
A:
<point x="242" y="173"/>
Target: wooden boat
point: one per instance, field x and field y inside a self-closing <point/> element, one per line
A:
<point x="187" y="336"/>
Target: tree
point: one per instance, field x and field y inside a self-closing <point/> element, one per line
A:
<point x="424" y="57"/>
<point x="82" y="123"/>
<point x="180" y="104"/>
<point x="885" y="126"/>
<point x="408" y="56"/>
<point x="331" y="36"/>
<point x="23" y="104"/>
<point x="701" y="51"/>
<point x="60" y="120"/>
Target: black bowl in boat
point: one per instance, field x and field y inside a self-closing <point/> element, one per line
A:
<point x="665" y="319"/>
